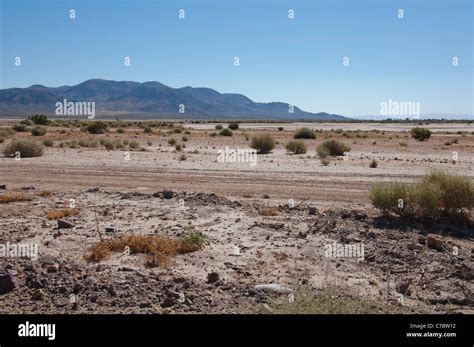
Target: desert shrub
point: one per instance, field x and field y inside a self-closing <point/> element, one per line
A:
<point x="420" y="134"/>
<point x="435" y="195"/>
<point x="185" y="138"/>
<point x="39" y="119"/>
<point x="182" y="157"/>
<point x="333" y="147"/>
<point x="4" y="132"/>
<point x="27" y="148"/>
<point x="263" y="143"/>
<point x="48" y="143"/>
<point x="325" y="161"/>
<point x="403" y="144"/>
<point x="109" y="145"/>
<point x="213" y="134"/>
<point x="38" y="131"/>
<point x="218" y="127"/>
<point x="172" y="141"/>
<point x="26" y="122"/>
<point x="304" y="133"/>
<point x="233" y="126"/>
<point x="322" y="151"/>
<point x="373" y="164"/>
<point x="20" y="127"/>
<point x="120" y="130"/>
<point x="280" y="128"/>
<point x="296" y="147"/>
<point x="177" y="130"/>
<point x="147" y="130"/>
<point x="133" y="145"/>
<point x="225" y="132"/>
<point x="97" y="127"/>
<point x="9" y="197"/>
<point x="178" y="147"/>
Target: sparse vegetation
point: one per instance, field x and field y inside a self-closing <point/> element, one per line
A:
<point x="160" y="250"/>
<point x="304" y="133"/>
<point x="225" y="132"/>
<point x="172" y="141"/>
<point x="435" y="195"/>
<point x="38" y="131"/>
<point x="233" y="126"/>
<point x="218" y="127"/>
<point x="48" y="143"/>
<point x="20" y="128"/>
<point x="96" y="127"/>
<point x="333" y="148"/>
<point x="373" y="163"/>
<point x="27" y="148"/>
<point x="39" y="119"/>
<point x="58" y="214"/>
<point x="420" y="134"/>
<point x="263" y="143"/>
<point x="296" y="147"/>
<point x="14" y="197"/>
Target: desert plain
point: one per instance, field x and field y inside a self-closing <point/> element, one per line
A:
<point x="264" y="230"/>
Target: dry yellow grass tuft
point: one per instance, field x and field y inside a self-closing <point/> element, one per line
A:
<point x="268" y="211"/>
<point x="160" y="250"/>
<point x="57" y="214"/>
<point x="14" y="197"/>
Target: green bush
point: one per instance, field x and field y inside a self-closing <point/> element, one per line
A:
<point x="97" y="127"/>
<point x="39" y="119"/>
<point x="373" y="164"/>
<point x="20" y="127"/>
<point x="435" y="195"/>
<point x="48" y="143"/>
<point x="296" y="147"/>
<point x="420" y="134"/>
<point x="263" y="143"/>
<point x="185" y="139"/>
<point x="172" y="141"/>
<point x="218" y="127"/>
<point x="27" y="148"/>
<point x="120" y="130"/>
<point x="147" y="130"/>
<point x="38" y="131"/>
<point x="333" y="147"/>
<point x="280" y="128"/>
<point x="134" y="145"/>
<point x="304" y="133"/>
<point x="225" y="132"/>
<point x="233" y="126"/>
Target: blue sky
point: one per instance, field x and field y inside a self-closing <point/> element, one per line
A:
<point x="298" y="61"/>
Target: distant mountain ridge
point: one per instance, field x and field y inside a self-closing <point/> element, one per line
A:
<point x="149" y="100"/>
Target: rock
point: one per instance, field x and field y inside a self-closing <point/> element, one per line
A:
<point x="53" y="268"/>
<point x="212" y="277"/>
<point x="91" y="281"/>
<point x="168" y="302"/>
<point x="28" y="267"/>
<point x="111" y="290"/>
<point x="402" y="287"/>
<point x="7" y="282"/>
<point x="179" y="279"/>
<point x="312" y="211"/>
<point x="28" y="188"/>
<point x="273" y="287"/>
<point x="62" y="224"/>
<point x="167" y="194"/>
<point x="92" y="190"/>
<point x="415" y="247"/>
<point x="37" y="295"/>
<point x="110" y="229"/>
<point x="434" y="242"/>
<point x="3" y="186"/>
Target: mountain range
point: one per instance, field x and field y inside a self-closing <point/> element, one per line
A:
<point x="148" y="100"/>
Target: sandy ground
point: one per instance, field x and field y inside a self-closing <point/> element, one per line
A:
<point x="315" y="205"/>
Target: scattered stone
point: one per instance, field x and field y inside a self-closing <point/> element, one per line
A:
<point x="53" y="268"/>
<point x="415" y="247"/>
<point x="167" y="194"/>
<point x="62" y="224"/>
<point x="434" y="242"/>
<point x="3" y="186"/>
<point x="7" y="282"/>
<point x="37" y="295"/>
<point x="168" y="302"/>
<point x="402" y="287"/>
<point x="91" y="281"/>
<point x="110" y="229"/>
<point x="212" y="277"/>
<point x="273" y="287"/>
